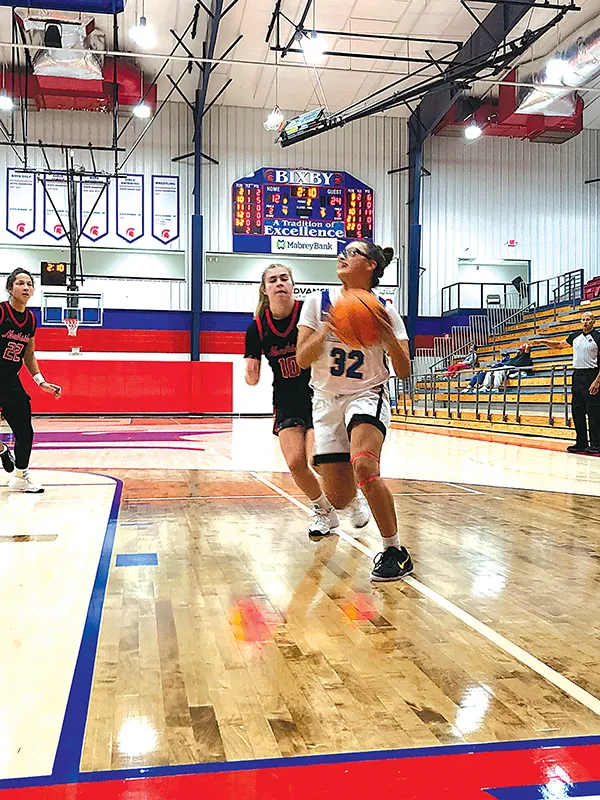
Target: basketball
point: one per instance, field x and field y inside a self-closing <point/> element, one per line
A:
<point x="354" y="316"/>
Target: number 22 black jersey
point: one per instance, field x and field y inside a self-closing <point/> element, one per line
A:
<point x="277" y="338"/>
<point x="16" y="330"/>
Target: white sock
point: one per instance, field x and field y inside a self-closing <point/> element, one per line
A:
<point x="322" y="503"/>
<point x="391" y="541"/>
<point x="20" y="473"/>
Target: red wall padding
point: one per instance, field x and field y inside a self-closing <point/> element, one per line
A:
<point x="424" y="341"/>
<point x="222" y="341"/>
<point x="101" y="340"/>
<point x="132" y="387"/>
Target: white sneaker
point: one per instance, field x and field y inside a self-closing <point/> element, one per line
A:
<point x="322" y="523"/>
<point x="360" y="513"/>
<point x="24" y="484"/>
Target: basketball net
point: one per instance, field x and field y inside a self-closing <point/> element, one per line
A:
<point x="72" y="324"/>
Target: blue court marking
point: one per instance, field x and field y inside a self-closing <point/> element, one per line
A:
<point x="70" y="743"/>
<point x="547" y="791"/>
<point x="137" y="560"/>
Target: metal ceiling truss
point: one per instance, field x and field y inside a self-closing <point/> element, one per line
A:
<point x="200" y="108"/>
<point x="454" y="76"/>
<point x="299" y="29"/>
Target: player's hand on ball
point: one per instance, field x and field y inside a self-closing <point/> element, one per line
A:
<point x="386" y="332"/>
<point x="51" y="388"/>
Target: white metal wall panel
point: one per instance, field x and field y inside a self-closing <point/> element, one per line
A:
<point x="484" y="193"/>
<point x="366" y="149"/>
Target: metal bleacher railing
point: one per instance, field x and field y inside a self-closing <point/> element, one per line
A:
<point x="431" y="392"/>
<point x="437" y="395"/>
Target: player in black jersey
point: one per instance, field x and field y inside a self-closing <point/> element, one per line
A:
<point x="274" y="332"/>
<point x="17" y="346"/>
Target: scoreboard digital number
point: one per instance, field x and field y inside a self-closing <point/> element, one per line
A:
<point x="300" y="211"/>
<point x="54" y="273"/>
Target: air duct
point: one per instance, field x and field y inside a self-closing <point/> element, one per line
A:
<point x="579" y="64"/>
<point x="55" y="34"/>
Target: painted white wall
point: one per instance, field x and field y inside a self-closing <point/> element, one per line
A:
<point x="482" y="194"/>
<point x="491" y="273"/>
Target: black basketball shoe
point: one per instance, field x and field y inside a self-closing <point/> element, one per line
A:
<point x="7" y="460"/>
<point x="391" y="565"/>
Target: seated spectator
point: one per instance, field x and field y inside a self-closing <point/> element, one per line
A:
<point x="521" y="361"/>
<point x="518" y="363"/>
<point x="469" y="362"/>
<point x="487" y="377"/>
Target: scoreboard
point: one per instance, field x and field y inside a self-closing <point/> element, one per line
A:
<point x="300" y="211"/>
<point x="54" y="273"/>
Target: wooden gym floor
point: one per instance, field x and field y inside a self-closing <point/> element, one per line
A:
<point x="164" y="613"/>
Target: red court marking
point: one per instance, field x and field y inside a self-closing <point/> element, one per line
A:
<point x="463" y="776"/>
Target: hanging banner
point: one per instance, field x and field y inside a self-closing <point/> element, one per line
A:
<point x="56" y="206"/>
<point x="130" y="207"/>
<point x="93" y="207"/>
<point x="20" y="202"/>
<point x="165" y="208"/>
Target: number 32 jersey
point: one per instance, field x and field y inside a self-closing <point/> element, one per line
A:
<point x="343" y="369"/>
<point x="16" y="330"/>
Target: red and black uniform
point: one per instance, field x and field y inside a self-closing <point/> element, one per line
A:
<point x="17" y="328"/>
<point x="276" y="338"/>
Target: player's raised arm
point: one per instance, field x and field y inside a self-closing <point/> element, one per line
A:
<point x="310" y="345"/>
<point x="312" y="332"/>
<point x="396" y="344"/>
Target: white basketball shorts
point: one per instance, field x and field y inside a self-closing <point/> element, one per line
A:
<point x="334" y="416"/>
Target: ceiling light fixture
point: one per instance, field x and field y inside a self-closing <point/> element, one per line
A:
<point x="275" y="121"/>
<point x="6" y="101"/>
<point x="312" y="46"/>
<point x="142" y="111"/>
<point x="143" y="35"/>
<point x="557" y="70"/>
<point x="473" y="131"/>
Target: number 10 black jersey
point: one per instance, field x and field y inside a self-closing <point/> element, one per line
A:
<point x="277" y="338"/>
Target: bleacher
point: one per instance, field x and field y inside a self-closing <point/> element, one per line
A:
<point x="538" y="404"/>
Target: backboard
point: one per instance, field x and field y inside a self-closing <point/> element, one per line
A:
<point x="87" y="308"/>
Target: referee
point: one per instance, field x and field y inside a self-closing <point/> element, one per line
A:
<point x="585" y="398"/>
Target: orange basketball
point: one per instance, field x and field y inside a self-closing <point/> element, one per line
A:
<point x="354" y="316"/>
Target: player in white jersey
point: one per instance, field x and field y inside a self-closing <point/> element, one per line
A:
<point x="351" y="404"/>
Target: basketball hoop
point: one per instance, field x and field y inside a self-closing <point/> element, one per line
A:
<point x="72" y="324"/>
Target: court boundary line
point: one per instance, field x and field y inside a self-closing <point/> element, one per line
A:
<point x="67" y="758"/>
<point x="562" y="683"/>
<point x="74" y="775"/>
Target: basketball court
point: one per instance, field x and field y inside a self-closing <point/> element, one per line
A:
<point x="167" y="628"/>
<point x="174" y="618"/>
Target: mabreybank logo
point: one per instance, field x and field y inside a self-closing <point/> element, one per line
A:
<point x="296" y="244"/>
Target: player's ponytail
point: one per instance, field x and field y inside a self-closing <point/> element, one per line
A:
<point x="382" y="256"/>
<point x="263" y="300"/>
